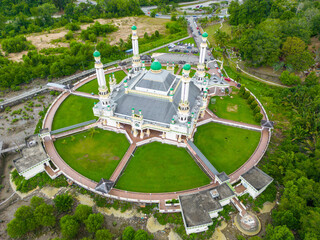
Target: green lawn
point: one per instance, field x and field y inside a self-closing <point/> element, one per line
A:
<point x="227" y="148"/>
<point x="73" y="110"/>
<point x="94" y="156"/>
<point x="190" y="40"/>
<point x="158" y="167"/>
<point x="92" y="86"/>
<point x="235" y="108"/>
<point x="213" y="28"/>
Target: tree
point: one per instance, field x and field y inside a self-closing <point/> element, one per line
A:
<point x="278" y="233"/>
<point x="36" y="201"/>
<point x="44" y="215"/>
<point x="16" y="228"/>
<point x="221" y="38"/>
<point x="289" y="79"/>
<point x="63" y="202"/>
<point x="82" y="212"/>
<point x="142" y="235"/>
<point x="128" y="233"/>
<point x="25" y="214"/>
<point x="94" y="222"/>
<point x="292" y="46"/>
<point x="312" y="79"/>
<point x="69" y="226"/>
<point x="103" y="234"/>
<point x="153" y="14"/>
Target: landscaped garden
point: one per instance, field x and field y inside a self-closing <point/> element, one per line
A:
<point x="92" y="86"/>
<point x="158" y="167"/>
<point x="232" y="107"/>
<point x="227" y="148"/>
<point x="95" y="153"/>
<point x="73" y="110"/>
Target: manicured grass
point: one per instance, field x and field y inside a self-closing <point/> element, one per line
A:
<point x="94" y="156"/>
<point x="227" y="148"/>
<point x="213" y="28"/>
<point x="92" y="86"/>
<point x="73" y="110"/>
<point x="235" y="108"/>
<point x="158" y="167"/>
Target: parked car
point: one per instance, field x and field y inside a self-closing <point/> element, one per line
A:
<point x="227" y="79"/>
<point x="189" y="47"/>
<point x="177" y="50"/>
<point x="211" y="58"/>
<point x="186" y="51"/>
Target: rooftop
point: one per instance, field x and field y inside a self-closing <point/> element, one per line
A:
<point x="33" y="154"/>
<point x="223" y="176"/>
<point x="257" y="178"/>
<point x="104" y="185"/>
<point x="197" y="206"/>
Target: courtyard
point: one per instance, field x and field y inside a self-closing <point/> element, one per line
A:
<point x="157" y="167"/>
<point x="227" y="148"/>
<point x="95" y="153"/>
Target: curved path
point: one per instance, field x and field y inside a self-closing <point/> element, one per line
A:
<point x="137" y="196"/>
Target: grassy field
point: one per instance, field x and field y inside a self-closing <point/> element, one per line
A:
<point x="73" y="110"/>
<point x="158" y="167"/>
<point x="189" y="40"/>
<point x="94" y="156"/>
<point x="227" y="148"/>
<point x="235" y="108"/>
<point x="92" y="86"/>
<point x="213" y="28"/>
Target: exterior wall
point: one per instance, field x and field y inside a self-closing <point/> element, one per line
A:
<point x="111" y="123"/>
<point x="251" y="190"/>
<point x="215" y="214"/>
<point x="225" y="201"/>
<point x="171" y="136"/>
<point x="33" y="171"/>
<point x="197" y="229"/>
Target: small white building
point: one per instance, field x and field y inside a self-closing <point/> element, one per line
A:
<point x="255" y="181"/>
<point x="198" y="209"/>
<point x="33" y="159"/>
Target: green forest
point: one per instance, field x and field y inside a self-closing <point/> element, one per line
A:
<point x="274" y="33"/>
<point x="21" y="17"/>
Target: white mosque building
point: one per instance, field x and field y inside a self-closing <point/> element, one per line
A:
<point x="155" y="99"/>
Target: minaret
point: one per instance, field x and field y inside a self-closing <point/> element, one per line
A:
<point x="200" y="68"/>
<point x="183" y="111"/>
<point x="136" y="63"/>
<point x="103" y="89"/>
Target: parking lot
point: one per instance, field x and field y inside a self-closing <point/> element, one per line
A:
<point x="183" y="47"/>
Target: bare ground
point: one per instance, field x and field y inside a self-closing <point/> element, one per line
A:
<point x="15" y="133"/>
<point x="47" y="40"/>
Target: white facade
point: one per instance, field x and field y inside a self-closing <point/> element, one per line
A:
<point x="34" y="170"/>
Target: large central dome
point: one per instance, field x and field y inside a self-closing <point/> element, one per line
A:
<point x="156" y="66"/>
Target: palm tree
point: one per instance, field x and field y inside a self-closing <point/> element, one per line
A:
<point x="92" y="131"/>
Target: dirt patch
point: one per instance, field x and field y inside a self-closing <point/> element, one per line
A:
<point x="154" y="226"/>
<point x="17" y="57"/>
<point x="232" y="108"/>
<point x="174" y="236"/>
<point x="85" y="199"/>
<point x="116" y="158"/>
<point x="44" y="40"/>
<point x="267" y="207"/>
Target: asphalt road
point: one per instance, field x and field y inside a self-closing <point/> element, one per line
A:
<point x="175" y="57"/>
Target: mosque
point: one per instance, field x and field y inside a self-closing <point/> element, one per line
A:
<point x="155" y="99"/>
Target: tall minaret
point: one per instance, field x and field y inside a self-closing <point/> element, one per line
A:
<point x="183" y="112"/>
<point x="136" y="63"/>
<point x="103" y="89"/>
<point x="200" y="68"/>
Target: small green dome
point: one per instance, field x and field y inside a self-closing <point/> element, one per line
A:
<point x="134" y="27"/>
<point x="205" y="34"/>
<point x="187" y="67"/>
<point x="156" y="66"/>
<point x="96" y="54"/>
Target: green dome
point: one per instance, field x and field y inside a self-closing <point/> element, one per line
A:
<point x="187" y="67"/>
<point x="134" y="27"/>
<point x="156" y="66"/>
<point x="96" y="54"/>
<point x="205" y="34"/>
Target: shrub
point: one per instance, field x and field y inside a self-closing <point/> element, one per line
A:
<point x="128" y="233"/>
<point x="72" y="26"/>
<point x="69" y="35"/>
<point x="246" y="95"/>
<point x="94" y="222"/>
<point x="253" y="105"/>
<point x="256" y="109"/>
<point x="63" y="202"/>
<point x="103" y="234"/>
<point x="250" y="99"/>
<point x="258" y="117"/>
<point x="82" y="212"/>
<point x="69" y="226"/>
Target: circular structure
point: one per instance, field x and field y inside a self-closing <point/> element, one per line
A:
<point x="96" y="53"/>
<point x="136" y="196"/>
<point x="133" y="27"/>
<point x="187" y="67"/>
<point x="205" y="34"/>
<point x="156" y="66"/>
<point x="249" y="224"/>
